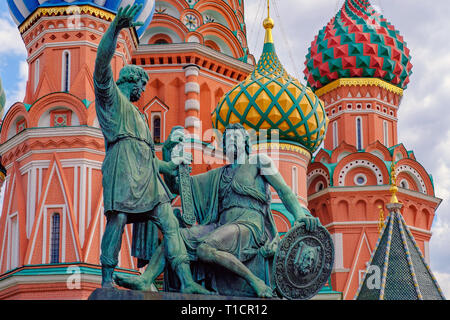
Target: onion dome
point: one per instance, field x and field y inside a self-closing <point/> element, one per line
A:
<point x="22" y="9"/>
<point x="358" y="43"/>
<point x="269" y="98"/>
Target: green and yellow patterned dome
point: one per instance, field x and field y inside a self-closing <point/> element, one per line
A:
<point x="269" y="98"/>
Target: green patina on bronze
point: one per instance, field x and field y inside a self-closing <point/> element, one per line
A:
<point x="232" y="246"/>
<point x="133" y="190"/>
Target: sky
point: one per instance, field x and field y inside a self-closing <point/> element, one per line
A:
<point x="423" y="124"/>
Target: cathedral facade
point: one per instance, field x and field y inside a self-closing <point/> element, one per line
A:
<point x="336" y="147"/>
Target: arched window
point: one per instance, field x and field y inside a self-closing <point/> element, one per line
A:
<point x="211" y="44"/>
<point x="386" y="133"/>
<point x="156" y="129"/>
<point x="335" y="135"/>
<point x="161" y="41"/>
<point x="36" y="74"/>
<point x="13" y="241"/>
<point x="359" y="137"/>
<point x="295" y="180"/>
<point x="404" y="184"/>
<point x="55" y="238"/>
<point x="160" y="38"/>
<point x="319" y="186"/>
<point x="66" y="71"/>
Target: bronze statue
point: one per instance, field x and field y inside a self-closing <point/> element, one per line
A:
<point x="236" y="233"/>
<point x="133" y="190"/>
<point x="306" y="260"/>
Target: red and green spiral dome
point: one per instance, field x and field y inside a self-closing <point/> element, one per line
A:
<point x="358" y="43"/>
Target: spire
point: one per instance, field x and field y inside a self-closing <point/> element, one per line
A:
<point x="397" y="269"/>
<point x="393" y="189"/>
<point x="381" y="219"/>
<point x="268" y="25"/>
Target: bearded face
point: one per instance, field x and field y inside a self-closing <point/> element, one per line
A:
<point x="136" y="91"/>
<point x="235" y="145"/>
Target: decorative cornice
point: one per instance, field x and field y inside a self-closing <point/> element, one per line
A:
<point x="49" y="132"/>
<point x="346" y="82"/>
<point x="357" y="224"/>
<point x="282" y="146"/>
<point x="69" y="10"/>
<point x="48" y="11"/>
<point x="201" y="49"/>
<point x="415" y="194"/>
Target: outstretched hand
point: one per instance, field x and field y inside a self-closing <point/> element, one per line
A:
<point x="311" y="223"/>
<point x="125" y="16"/>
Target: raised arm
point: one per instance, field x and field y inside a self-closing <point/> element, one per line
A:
<point x="105" y="53"/>
<point x="287" y="196"/>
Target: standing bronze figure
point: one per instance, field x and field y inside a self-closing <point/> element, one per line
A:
<point x="133" y="190"/>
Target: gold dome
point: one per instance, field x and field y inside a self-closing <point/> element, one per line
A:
<point x="270" y="99"/>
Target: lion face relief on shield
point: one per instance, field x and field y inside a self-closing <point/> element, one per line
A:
<point x="306" y="260"/>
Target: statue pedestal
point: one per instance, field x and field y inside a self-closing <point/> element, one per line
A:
<point x="174" y="305"/>
<point x="120" y="294"/>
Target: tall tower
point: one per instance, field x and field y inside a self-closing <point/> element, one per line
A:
<point x="61" y="38"/>
<point x="194" y="52"/>
<point x="52" y="218"/>
<point x="397" y="250"/>
<point x="270" y="102"/>
<point x="359" y="65"/>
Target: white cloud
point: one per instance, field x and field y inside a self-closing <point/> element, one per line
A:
<point x="17" y="93"/>
<point x="444" y="282"/>
<point x="12" y="55"/>
<point x="11" y="42"/>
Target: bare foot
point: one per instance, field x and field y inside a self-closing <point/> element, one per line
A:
<point x="195" y="288"/>
<point x="261" y="289"/>
<point x="132" y="282"/>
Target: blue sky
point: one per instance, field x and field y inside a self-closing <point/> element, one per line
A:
<point x="423" y="115"/>
<point x="13" y="67"/>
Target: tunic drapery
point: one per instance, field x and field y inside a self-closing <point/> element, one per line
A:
<point x="131" y="180"/>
